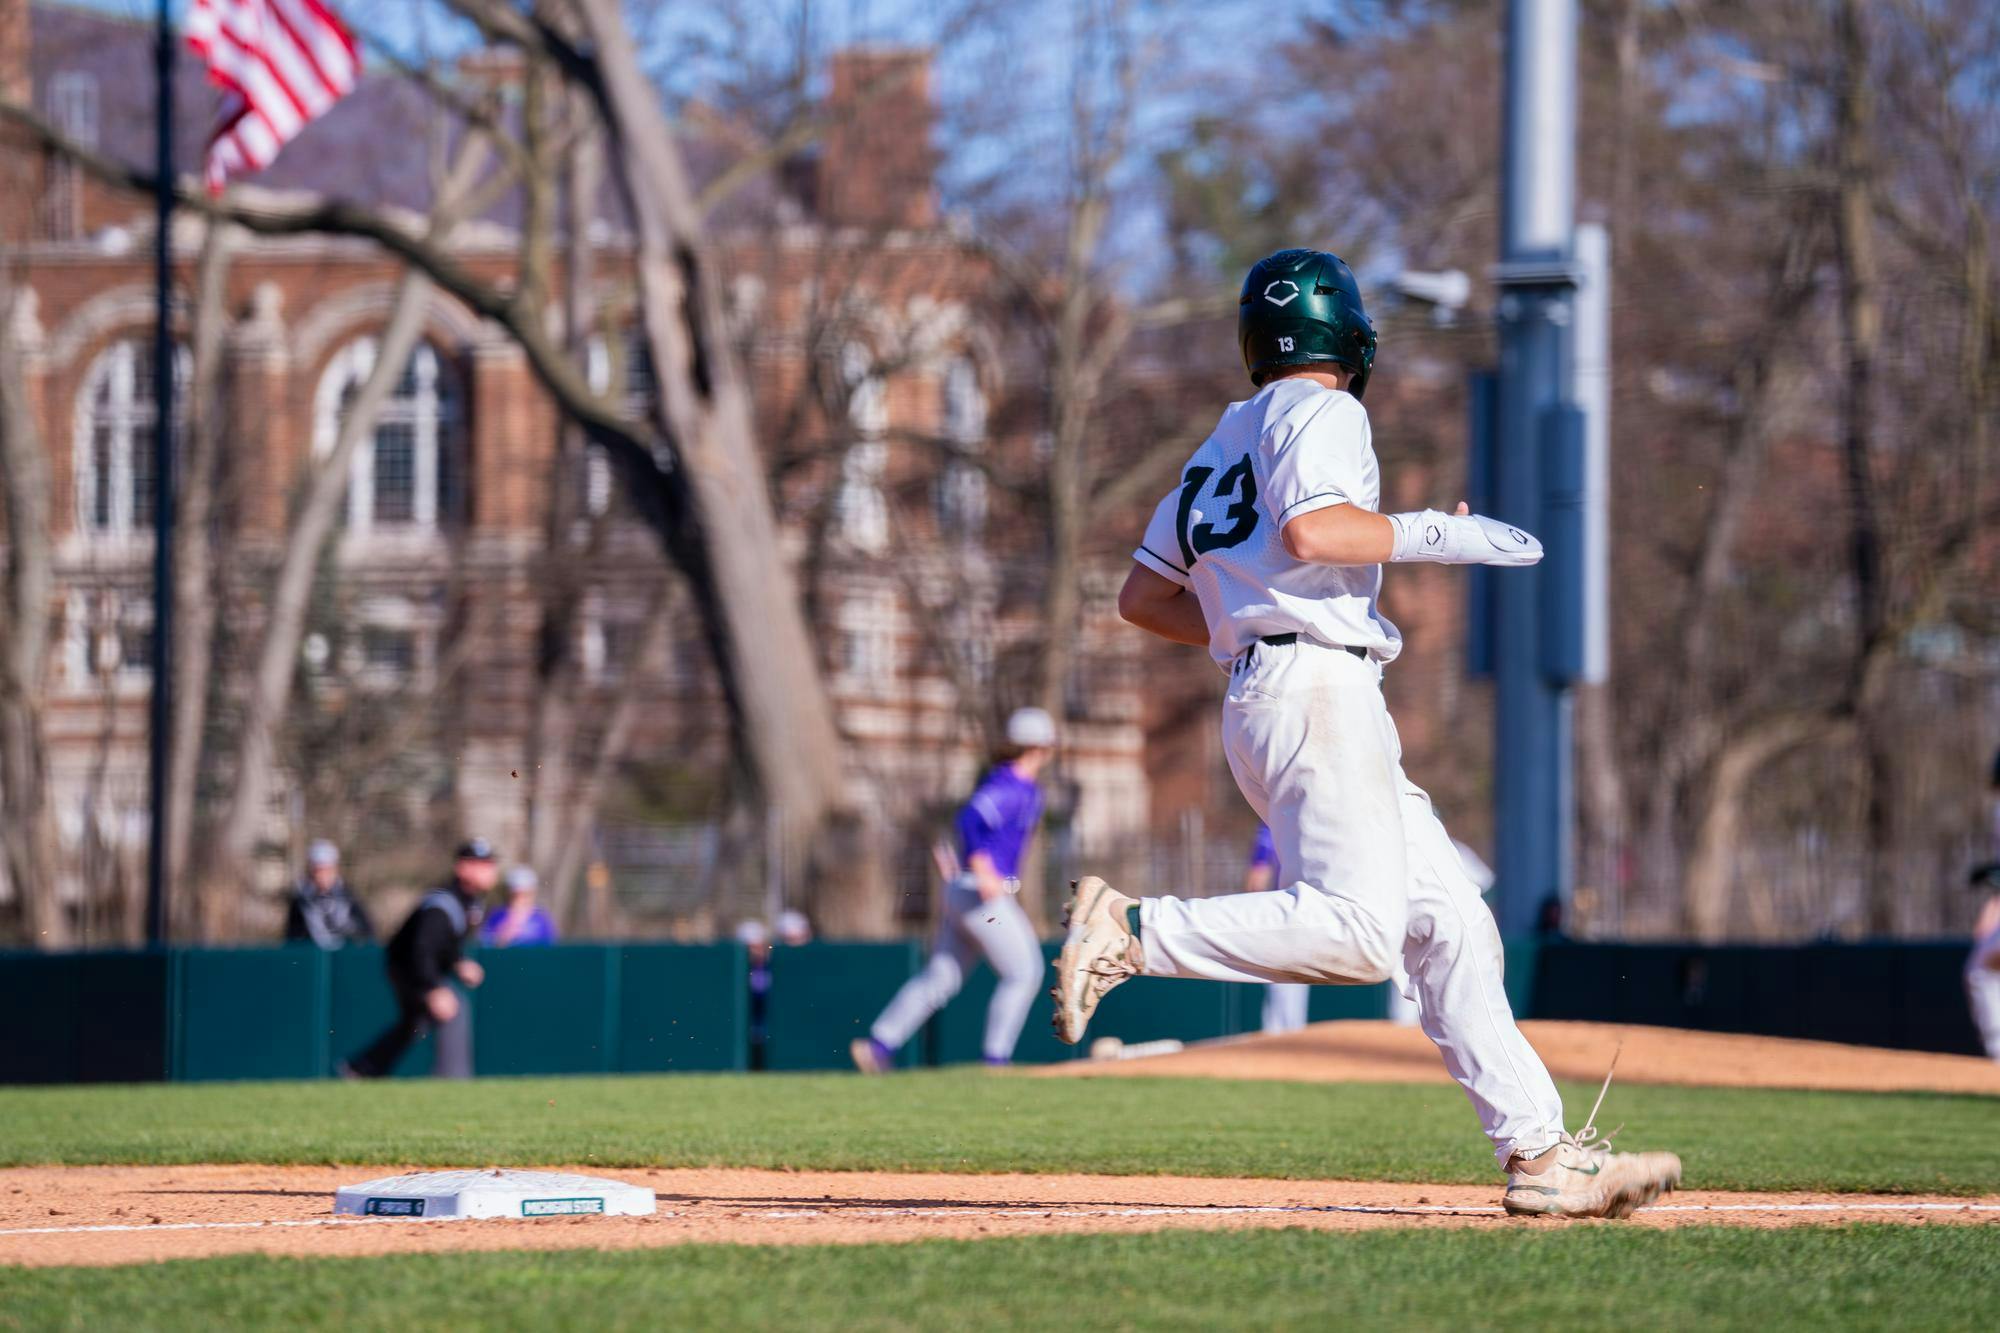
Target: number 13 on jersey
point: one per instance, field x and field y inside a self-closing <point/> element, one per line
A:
<point x="1238" y="486"/>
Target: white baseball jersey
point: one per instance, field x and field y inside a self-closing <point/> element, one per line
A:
<point x="1295" y="447"/>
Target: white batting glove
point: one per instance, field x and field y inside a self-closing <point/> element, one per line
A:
<point x="1462" y="539"/>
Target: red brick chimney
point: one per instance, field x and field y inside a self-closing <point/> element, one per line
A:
<point x="15" y="85"/>
<point x="492" y="70"/>
<point x="876" y="163"/>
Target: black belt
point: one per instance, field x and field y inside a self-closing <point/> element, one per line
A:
<point x="1283" y="640"/>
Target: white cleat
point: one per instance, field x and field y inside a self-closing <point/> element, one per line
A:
<point x="1589" y="1180"/>
<point x="1099" y="952"/>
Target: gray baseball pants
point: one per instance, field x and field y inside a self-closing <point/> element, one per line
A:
<point x="967" y="928"/>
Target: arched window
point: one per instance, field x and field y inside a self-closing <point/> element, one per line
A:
<point x="869" y="623"/>
<point x="860" y="507"/>
<point x="114" y="436"/>
<point x="635" y="392"/>
<point x="962" y="482"/>
<point x="411" y="476"/>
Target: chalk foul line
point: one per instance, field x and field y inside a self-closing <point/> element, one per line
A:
<point x="1031" y="1210"/>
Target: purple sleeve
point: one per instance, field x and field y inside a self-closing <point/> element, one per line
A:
<point x="981" y="822"/>
<point x="997" y="820"/>
<point x="1263" y="852"/>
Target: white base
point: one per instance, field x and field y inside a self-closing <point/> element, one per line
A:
<point x="493" y="1193"/>
<point x="1111" y="1048"/>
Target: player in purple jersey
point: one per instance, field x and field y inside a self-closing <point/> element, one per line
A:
<point x="979" y="914"/>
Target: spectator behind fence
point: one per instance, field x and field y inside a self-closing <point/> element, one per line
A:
<point x="756" y="942"/>
<point x="422" y="959"/>
<point x="522" y="921"/>
<point x="322" y="910"/>
<point x="794" y="928"/>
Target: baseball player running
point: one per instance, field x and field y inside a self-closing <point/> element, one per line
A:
<point x="1269" y="553"/>
<point x="979" y="914"/>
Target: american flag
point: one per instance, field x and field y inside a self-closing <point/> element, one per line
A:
<point x="281" y="64"/>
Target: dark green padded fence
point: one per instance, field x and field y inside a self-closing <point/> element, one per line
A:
<point x="85" y="1017"/>
<point x="263" y="1010"/>
<point x="547" y="1011"/>
<point x="825" y="994"/>
<point x="1906" y="996"/>
<point x="292" y="1012"/>
<point x="1328" y="1003"/>
<point x="1523" y="961"/>
<point x="604" y="1008"/>
<point x="682" y="1008"/>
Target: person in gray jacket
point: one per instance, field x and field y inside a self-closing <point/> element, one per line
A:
<point x="322" y="910"/>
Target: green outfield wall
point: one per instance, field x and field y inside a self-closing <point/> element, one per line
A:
<point x="292" y="1012"/>
<point x="1908" y="996"/>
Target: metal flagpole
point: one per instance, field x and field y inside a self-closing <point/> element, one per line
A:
<point x="163" y="488"/>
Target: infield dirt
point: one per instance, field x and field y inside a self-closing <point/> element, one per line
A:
<point x="133" y="1214"/>
<point x="122" y="1214"/>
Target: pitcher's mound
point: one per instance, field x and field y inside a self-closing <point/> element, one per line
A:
<point x="1381" y="1052"/>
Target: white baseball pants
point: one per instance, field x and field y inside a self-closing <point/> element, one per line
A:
<point x="1982" y="992"/>
<point x="1374" y="882"/>
<point x="1285" y="1005"/>
<point x="967" y="928"/>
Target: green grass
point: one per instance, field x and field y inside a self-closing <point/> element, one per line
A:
<point x="1887" y="1277"/>
<point x="969" y="1121"/>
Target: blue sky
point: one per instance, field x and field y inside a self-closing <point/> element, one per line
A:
<point x="1004" y="78"/>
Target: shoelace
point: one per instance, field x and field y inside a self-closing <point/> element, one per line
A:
<point x="1588" y="1139"/>
<point x="1108" y="973"/>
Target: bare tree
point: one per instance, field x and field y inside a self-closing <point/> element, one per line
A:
<point x="252" y="767"/>
<point x="196" y="606"/>
<point x="25" y="490"/>
<point x="703" y="406"/>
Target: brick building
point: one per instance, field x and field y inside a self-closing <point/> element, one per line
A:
<point x="889" y="392"/>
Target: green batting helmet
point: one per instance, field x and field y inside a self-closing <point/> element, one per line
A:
<point x="1300" y="307"/>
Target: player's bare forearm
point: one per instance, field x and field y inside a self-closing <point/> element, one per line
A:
<point x="1342" y="534"/>
<point x="1161" y="606"/>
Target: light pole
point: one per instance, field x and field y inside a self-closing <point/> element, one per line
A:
<point x="161" y="713"/>
<point x="1535" y="468"/>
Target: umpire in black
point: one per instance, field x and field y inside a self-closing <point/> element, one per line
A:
<point x="426" y="954"/>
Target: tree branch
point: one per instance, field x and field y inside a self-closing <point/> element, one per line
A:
<point x="628" y="443"/>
